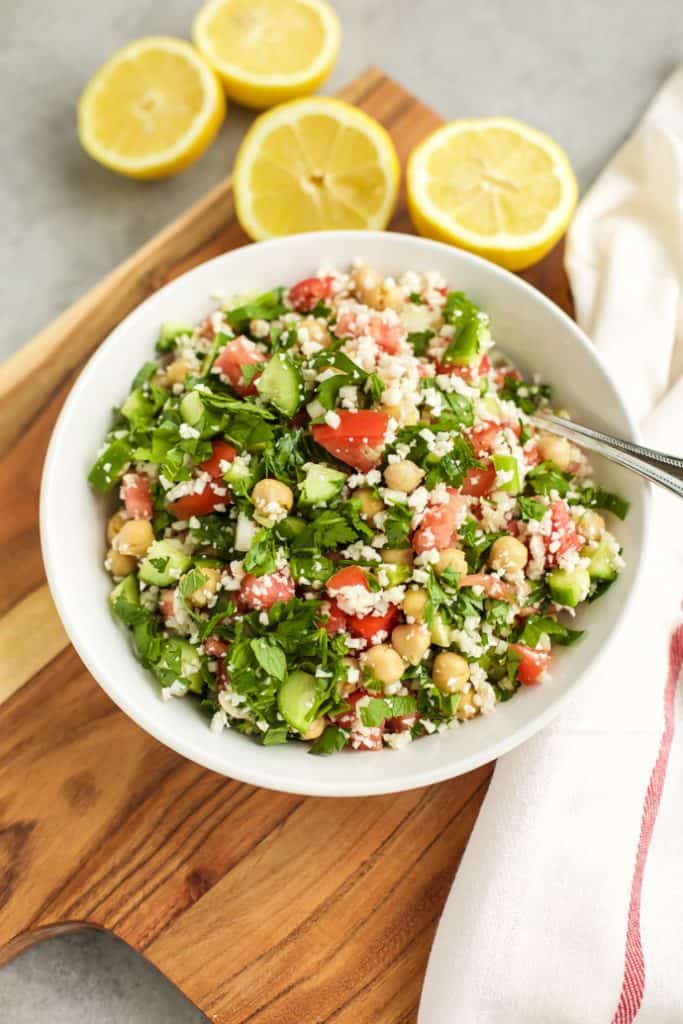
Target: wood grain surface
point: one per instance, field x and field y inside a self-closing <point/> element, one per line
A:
<point x="262" y="907"/>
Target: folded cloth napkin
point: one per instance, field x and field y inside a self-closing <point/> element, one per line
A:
<point x="567" y="907"/>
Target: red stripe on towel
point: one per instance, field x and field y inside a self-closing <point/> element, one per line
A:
<point x="633" y="983"/>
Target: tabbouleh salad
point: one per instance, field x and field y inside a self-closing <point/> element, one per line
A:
<point x="335" y="522"/>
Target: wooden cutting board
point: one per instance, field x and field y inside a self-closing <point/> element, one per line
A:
<point x="260" y="906"/>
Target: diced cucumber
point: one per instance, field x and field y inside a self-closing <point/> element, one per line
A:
<point x="320" y="485"/>
<point x="291" y="527"/>
<point x="182" y="658"/>
<point x="137" y="407"/>
<point x="281" y="384"/>
<point x="568" y="586"/>
<point x="507" y="464"/>
<point x="245" y="531"/>
<point x="440" y="632"/>
<point x="110" y="465"/>
<point x="467" y="344"/>
<point x="602" y="565"/>
<point x="169" y="334"/>
<point x="397" y="573"/>
<point x="492" y="406"/>
<point x="296" y="700"/>
<point x="126" y="590"/>
<point x="239" y="476"/>
<point x="164" y="562"/>
<point x="192" y="408"/>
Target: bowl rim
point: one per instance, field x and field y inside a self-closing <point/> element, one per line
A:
<point x="156" y="726"/>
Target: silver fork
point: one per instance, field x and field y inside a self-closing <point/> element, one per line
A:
<point x="665" y="470"/>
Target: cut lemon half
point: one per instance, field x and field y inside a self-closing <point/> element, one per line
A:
<point x="494" y="186"/>
<point x="268" y="51"/>
<point x="152" y="109"/>
<point x="315" y="164"/>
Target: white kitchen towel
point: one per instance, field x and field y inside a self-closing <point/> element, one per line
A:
<point x="567" y="907"/>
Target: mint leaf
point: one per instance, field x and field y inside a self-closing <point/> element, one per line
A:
<point x="530" y="509"/>
<point x="190" y="582"/>
<point x="420" y="341"/>
<point x="536" y="625"/>
<point x="546" y="477"/>
<point x="378" y="709"/>
<point x="270" y="657"/>
<point x="397" y="525"/>
<point x="332" y="740"/>
<point x="260" y="558"/>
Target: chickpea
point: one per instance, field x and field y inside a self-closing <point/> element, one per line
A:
<point x="388" y="296"/>
<point x="317" y="330"/>
<point x="450" y="672"/>
<point x="555" y="449"/>
<point x="134" y="537"/>
<point x="114" y="525"/>
<point x="119" y="564"/>
<point x="398" y="556"/>
<point x="370" y="504"/>
<point x="403" y="475"/>
<point x="352" y="677"/>
<point x="177" y="371"/>
<point x="405" y="413"/>
<point x="384" y="663"/>
<point x="411" y="641"/>
<point x="272" y="499"/>
<point x="414" y="604"/>
<point x="508" y="555"/>
<point x="159" y="380"/>
<point x="201" y="597"/>
<point x="315" y="729"/>
<point x="466" y="707"/>
<point x="452" y="559"/>
<point x="591" y="525"/>
<point x="366" y="281"/>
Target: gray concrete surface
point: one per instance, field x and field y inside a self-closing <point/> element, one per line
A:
<point x="582" y="70"/>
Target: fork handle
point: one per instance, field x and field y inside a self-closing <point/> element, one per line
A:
<point x="664" y="470"/>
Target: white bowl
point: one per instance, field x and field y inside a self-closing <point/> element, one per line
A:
<point x="538" y="337"/>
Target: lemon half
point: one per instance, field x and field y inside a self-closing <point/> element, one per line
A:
<point x="268" y="51"/>
<point x="152" y="109"/>
<point x="314" y="164"/>
<point x="494" y="186"/>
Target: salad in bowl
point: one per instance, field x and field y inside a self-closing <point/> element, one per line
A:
<point x="332" y="522"/>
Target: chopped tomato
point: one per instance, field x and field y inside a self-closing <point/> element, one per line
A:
<point x="137" y="496"/>
<point x="467" y="372"/>
<point x="222" y="452"/>
<point x="387" y="336"/>
<point x="531" y="453"/>
<point x="485" y="437"/>
<point x="200" y="503"/>
<point x="480" y="481"/>
<point x="257" y="592"/>
<point x="533" y="664"/>
<point x="166" y="603"/>
<point x="336" y="619"/>
<point x="401" y="723"/>
<point x="439" y="524"/>
<point x="358" y="440"/>
<point x="361" y="737"/>
<point x="563" y="536"/>
<point x="215" y="647"/>
<point x="206" y="329"/>
<point x="351" y="576"/>
<point x="305" y="295"/>
<point x="238" y="353"/>
<point x="491" y="585"/>
<point x="367" y="627"/>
